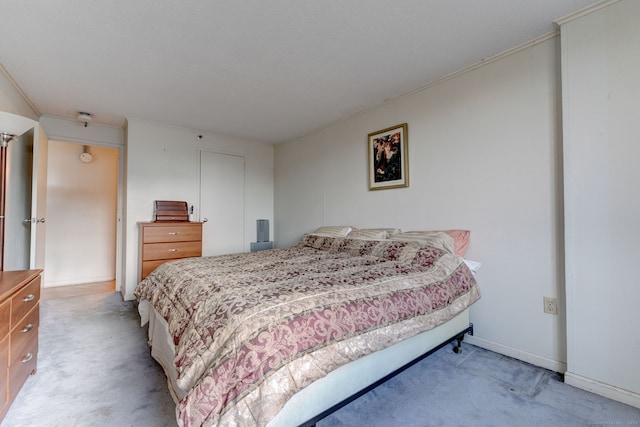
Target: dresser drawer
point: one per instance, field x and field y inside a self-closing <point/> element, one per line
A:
<point x="4" y="357"/>
<point x="19" y="306"/>
<point x="5" y="316"/>
<point x="23" y="334"/>
<point x="172" y="250"/>
<point x="25" y="300"/>
<point x="20" y="371"/>
<point x="4" y="387"/>
<point x="149" y="266"/>
<point x="4" y="373"/>
<point x="172" y="233"/>
<point x="161" y="242"/>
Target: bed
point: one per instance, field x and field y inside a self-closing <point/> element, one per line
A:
<point x="282" y="337"/>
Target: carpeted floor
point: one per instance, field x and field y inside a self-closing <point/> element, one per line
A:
<point x="480" y="388"/>
<point x="94" y="370"/>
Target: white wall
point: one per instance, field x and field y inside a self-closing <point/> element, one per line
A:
<point x="162" y="163"/>
<point x="601" y="91"/>
<point x="484" y="153"/>
<point x="81" y="215"/>
<point x="11" y="100"/>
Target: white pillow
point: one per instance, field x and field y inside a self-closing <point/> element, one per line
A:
<point x="438" y="239"/>
<point x="474" y="266"/>
<point x="332" y="231"/>
<point x="368" y="234"/>
<point x="390" y="231"/>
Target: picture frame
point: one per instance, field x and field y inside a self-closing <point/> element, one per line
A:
<point x="388" y="156"/>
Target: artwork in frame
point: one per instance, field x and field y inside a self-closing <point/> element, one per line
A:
<point x="388" y="158"/>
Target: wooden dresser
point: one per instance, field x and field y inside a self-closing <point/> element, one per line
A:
<point x="19" y="320"/>
<point x="165" y="241"/>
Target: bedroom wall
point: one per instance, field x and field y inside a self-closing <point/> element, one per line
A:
<point x="485" y="155"/>
<point x="601" y="65"/>
<point x="162" y="163"/>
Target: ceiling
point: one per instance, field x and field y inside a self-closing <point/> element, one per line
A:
<point x="266" y="70"/>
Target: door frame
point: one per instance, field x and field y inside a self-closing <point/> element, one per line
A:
<point x="40" y="164"/>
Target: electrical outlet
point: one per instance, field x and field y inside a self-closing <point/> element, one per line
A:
<point x="550" y="305"/>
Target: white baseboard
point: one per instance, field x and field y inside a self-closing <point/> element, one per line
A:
<point x="602" y="389"/>
<point x="534" y="359"/>
<point x="611" y="392"/>
<point x="83" y="281"/>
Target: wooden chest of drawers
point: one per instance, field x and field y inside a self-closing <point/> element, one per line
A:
<point x="165" y="241"/>
<point x="19" y="320"/>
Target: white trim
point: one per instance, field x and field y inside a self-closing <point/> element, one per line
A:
<point x="602" y="389"/>
<point x="17" y="87"/>
<point x="82" y="281"/>
<point x="64" y="129"/>
<point x="534" y="359"/>
<point x="587" y="10"/>
<point x="543" y="38"/>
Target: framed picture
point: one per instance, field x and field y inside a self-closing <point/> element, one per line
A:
<point x="388" y="158"/>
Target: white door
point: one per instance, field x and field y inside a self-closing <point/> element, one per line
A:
<point x="26" y="201"/>
<point x="17" y="219"/>
<point x="221" y="203"/>
<point x="39" y="197"/>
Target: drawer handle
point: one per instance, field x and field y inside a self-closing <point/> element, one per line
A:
<point x="174" y="233"/>
<point x="28" y="357"/>
<point x="29" y="298"/>
<point x="174" y="250"/>
<point x="27" y="328"/>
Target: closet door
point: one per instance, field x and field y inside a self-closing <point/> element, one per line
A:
<point x="222" y="203"/>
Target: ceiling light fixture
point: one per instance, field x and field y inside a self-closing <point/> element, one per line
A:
<point x="84" y="117"/>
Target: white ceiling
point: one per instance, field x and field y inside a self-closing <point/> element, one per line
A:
<point x="269" y="70"/>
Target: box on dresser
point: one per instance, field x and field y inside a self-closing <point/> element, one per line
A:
<point x="19" y="321"/>
<point x="167" y="210"/>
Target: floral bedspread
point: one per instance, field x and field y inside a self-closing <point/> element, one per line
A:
<point x="252" y="329"/>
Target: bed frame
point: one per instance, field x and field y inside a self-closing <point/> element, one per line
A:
<point x="347" y="383"/>
<point x="456" y="349"/>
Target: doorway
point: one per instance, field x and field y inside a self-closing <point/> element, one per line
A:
<point x="82" y="214"/>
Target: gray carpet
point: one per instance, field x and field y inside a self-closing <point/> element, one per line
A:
<point x="480" y="388"/>
<point x="95" y="370"/>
